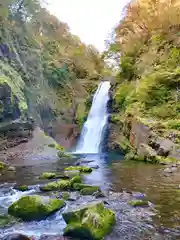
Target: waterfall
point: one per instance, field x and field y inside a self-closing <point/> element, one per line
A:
<point x="93" y="129"/>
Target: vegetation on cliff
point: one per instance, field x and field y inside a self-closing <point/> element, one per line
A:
<point x="146" y="48"/>
<point x="46" y="67"/>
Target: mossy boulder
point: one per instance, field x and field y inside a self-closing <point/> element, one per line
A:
<point x="89" y="190"/>
<point x="30" y="208"/>
<point x="138" y="203"/>
<point x="15" y="236"/>
<point x="91" y="221"/>
<point x="82" y="169"/>
<point x="54" y="186"/>
<point x="129" y="156"/>
<point x="71" y="173"/>
<point x="47" y="175"/>
<point x="6" y="220"/>
<point x="146" y="151"/>
<point x="56" y="146"/>
<point x="79" y="186"/>
<point x="76" y="179"/>
<point x="65" y="195"/>
<point x="2" y="166"/>
<point x="21" y="188"/>
<point x="62" y="154"/>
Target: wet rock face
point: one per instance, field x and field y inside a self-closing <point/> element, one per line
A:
<point x="9" y="104"/>
<point x="15" y="236"/>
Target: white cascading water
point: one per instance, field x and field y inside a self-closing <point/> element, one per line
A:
<point x="92" y="131"/>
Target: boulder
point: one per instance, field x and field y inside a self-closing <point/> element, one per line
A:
<point x="83" y="161"/>
<point x="76" y="179"/>
<point x="168" y="170"/>
<point x="138" y="203"/>
<point x="71" y="173"/>
<point x="61" y="184"/>
<point x="6" y="220"/>
<point x="82" y="169"/>
<point x="54" y="186"/>
<point x="89" y="190"/>
<point x="79" y="186"/>
<point x="165" y="146"/>
<point x="21" y="188"/>
<point x="15" y="236"/>
<point x="90" y="221"/>
<point x="65" y="195"/>
<point x="146" y="151"/>
<point x="30" y="208"/>
<point x="11" y="169"/>
<point x="2" y="165"/>
<point x="47" y="175"/>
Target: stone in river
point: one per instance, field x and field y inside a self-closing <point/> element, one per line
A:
<point x="30" y="208"/>
<point x="89" y="222"/>
<point x="15" y="236"/>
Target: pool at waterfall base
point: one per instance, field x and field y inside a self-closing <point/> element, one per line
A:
<point x="121" y="182"/>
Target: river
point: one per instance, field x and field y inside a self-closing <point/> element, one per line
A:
<point x="120" y="180"/>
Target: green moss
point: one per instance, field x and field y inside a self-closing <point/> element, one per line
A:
<point x="6" y="220"/>
<point x="65" y="195"/>
<point x="2" y="165"/>
<point x="89" y="190"/>
<point x="30" y="208"/>
<point x="138" y="203"/>
<point x="64" y="155"/>
<point x="81" y="113"/>
<point x="47" y="175"/>
<point x="16" y="83"/>
<point x="79" y="186"/>
<point x="56" y="146"/>
<point x="129" y="156"/>
<point x="21" y="188"/>
<point x="76" y="179"/>
<point x="53" y="186"/>
<point x="173" y="124"/>
<point x="93" y="221"/>
<point x="82" y="169"/>
<point x="124" y="145"/>
<point x="115" y="118"/>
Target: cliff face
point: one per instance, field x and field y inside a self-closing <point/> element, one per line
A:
<point x="46" y="73"/>
<point x="146" y="90"/>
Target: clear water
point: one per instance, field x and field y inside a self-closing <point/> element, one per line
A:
<point x="120" y="180"/>
<point x="114" y="174"/>
<point x="92" y="132"/>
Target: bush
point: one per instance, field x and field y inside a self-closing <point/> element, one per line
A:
<point x="124" y="95"/>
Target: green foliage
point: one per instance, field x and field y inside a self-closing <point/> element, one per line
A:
<point x="146" y="42"/>
<point x="173" y="124"/>
<point x="44" y="64"/>
<point x="127" y="67"/>
<point x="123" y="95"/>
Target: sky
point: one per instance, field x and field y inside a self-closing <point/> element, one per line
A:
<point x="91" y="20"/>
